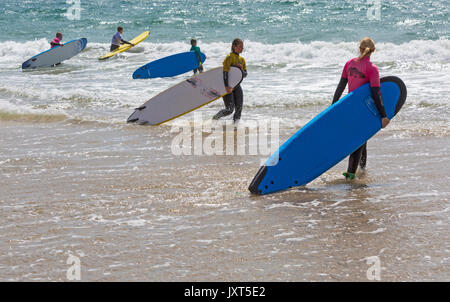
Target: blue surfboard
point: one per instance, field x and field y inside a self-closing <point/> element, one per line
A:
<point x="169" y="66"/>
<point x="328" y="138"/>
<point x="56" y="54"/>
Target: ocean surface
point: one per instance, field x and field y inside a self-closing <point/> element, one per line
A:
<point x="77" y="180"/>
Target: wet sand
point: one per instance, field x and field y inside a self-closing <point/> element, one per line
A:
<point x="117" y="198"/>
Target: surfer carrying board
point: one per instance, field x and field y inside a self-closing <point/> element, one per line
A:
<point x="57" y="40"/>
<point x="359" y="71"/>
<point x="196" y="49"/>
<point x="235" y="97"/>
<point x="117" y="39"/>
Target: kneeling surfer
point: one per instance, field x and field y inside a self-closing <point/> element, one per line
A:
<point x="359" y="71"/>
<point x="235" y="97"/>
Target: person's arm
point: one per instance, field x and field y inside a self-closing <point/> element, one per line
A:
<point x="340" y="89"/>
<point x="342" y="83"/>
<point x="126" y="42"/>
<point x="226" y="68"/>
<point x="52" y="44"/>
<point x="225" y="79"/>
<point x="377" y="98"/>
<point x="374" y="79"/>
<point x="199" y="57"/>
<point x="244" y="68"/>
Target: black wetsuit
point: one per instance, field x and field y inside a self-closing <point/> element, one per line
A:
<point x="360" y="155"/>
<point x="234" y="100"/>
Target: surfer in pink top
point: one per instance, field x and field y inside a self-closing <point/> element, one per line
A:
<point x="359" y="71"/>
<point x="57" y="40"/>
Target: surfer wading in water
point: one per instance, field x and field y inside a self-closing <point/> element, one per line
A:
<point x="57" y="40"/>
<point x="359" y="71"/>
<point x="196" y="49"/>
<point x="117" y="39"/>
<point x="235" y="97"/>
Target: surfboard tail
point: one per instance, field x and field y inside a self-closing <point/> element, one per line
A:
<point x="403" y="92"/>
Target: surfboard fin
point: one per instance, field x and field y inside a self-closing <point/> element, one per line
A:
<point x="141" y="108"/>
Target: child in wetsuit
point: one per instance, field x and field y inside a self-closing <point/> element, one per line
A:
<point x="57" y="40"/>
<point x="359" y="71"/>
<point x="117" y="39"/>
<point x="196" y="49"/>
<point x="235" y="97"/>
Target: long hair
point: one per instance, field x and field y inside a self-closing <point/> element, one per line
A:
<point x="366" y="47"/>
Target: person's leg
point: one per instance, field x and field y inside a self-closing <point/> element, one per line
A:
<point x="238" y="95"/>
<point x="353" y="163"/>
<point x="228" y="100"/>
<point x="195" y="71"/>
<point x="363" y="161"/>
<point x="113" y="47"/>
<point x="200" y="68"/>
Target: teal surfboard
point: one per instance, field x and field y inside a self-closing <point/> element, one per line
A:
<point x="328" y="138"/>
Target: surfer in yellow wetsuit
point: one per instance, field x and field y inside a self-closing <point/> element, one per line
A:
<point x="235" y="97"/>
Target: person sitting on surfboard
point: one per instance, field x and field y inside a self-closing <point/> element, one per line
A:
<point x="117" y="39"/>
<point x="359" y="71"/>
<point x="235" y="97"/>
<point x="57" y="40"/>
<point x="195" y="48"/>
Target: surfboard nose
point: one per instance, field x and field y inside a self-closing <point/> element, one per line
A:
<point x="253" y="188"/>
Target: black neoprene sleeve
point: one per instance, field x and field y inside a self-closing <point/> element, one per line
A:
<point x="376" y="96"/>
<point x="225" y="78"/>
<point x="340" y="89"/>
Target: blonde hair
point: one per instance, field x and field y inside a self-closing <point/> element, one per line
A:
<point x="366" y="47"/>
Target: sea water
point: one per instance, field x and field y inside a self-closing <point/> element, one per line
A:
<point x="76" y="180"/>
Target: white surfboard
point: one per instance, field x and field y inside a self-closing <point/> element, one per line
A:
<point x="185" y="97"/>
<point x="56" y="54"/>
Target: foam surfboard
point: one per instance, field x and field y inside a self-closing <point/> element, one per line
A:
<point x="327" y="139"/>
<point x="169" y="66"/>
<point x="56" y="54"/>
<point x="185" y="97"/>
<point x="125" y="47"/>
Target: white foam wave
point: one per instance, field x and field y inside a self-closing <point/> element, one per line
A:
<point x="313" y="54"/>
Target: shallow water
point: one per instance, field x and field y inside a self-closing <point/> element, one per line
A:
<point x="115" y="197"/>
<point x="77" y="180"/>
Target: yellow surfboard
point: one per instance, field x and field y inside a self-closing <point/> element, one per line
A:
<point x="125" y="47"/>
